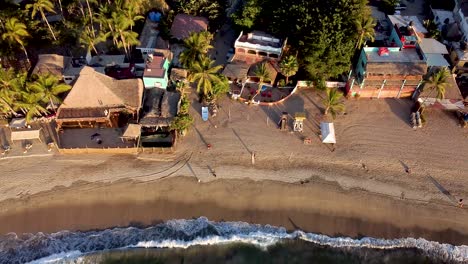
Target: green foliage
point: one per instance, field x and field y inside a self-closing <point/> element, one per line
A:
<point x="261" y="72"/>
<point x="332" y="102"/>
<point x="365" y="29"/>
<point x="438" y="82"/>
<point x="214" y="10"/>
<point x="244" y="18"/>
<point x="432" y="29"/>
<point x="322" y="32"/>
<point x="49" y="87"/>
<point x="220" y="88"/>
<point x="42" y="6"/>
<point x="183" y="120"/>
<point x="205" y="75"/>
<point x="388" y="6"/>
<point x="196" y="47"/>
<point x="184" y="105"/>
<point x="30" y="97"/>
<point x="289" y="66"/>
<point x="281" y="83"/>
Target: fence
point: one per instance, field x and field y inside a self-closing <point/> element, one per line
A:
<point x="87" y="150"/>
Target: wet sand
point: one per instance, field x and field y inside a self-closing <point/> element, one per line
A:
<point x="319" y="207"/>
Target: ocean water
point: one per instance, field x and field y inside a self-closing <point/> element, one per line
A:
<point x="203" y="241"/>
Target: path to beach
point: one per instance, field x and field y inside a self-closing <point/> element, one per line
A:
<point x="375" y="145"/>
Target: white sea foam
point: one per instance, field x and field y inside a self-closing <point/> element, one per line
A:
<point x="68" y="246"/>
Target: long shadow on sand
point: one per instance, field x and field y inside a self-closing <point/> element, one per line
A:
<point x="442" y="189"/>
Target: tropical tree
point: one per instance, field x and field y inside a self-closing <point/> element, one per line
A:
<point x="130" y="11"/>
<point x="122" y="36"/>
<point x="289" y="67"/>
<point x="42" y="6"/>
<point x="49" y="87"/>
<point x="15" y="32"/>
<point x="432" y="29"/>
<point x="196" y="47"/>
<point x="332" y="102"/>
<point x="9" y="88"/>
<point x="263" y="75"/>
<point x="205" y="75"/>
<point x="90" y="39"/>
<point x="30" y="103"/>
<point x="365" y="28"/>
<point x="438" y="82"/>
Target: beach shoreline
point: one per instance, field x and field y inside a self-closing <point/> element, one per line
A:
<point x="317" y="207"/>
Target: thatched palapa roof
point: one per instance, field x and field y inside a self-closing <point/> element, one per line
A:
<point x="51" y="63"/>
<point x="160" y="107"/>
<point x="94" y="91"/>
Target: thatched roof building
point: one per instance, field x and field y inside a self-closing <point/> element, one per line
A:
<point x="52" y="63"/>
<point x="95" y="97"/>
<point x="160" y="107"/>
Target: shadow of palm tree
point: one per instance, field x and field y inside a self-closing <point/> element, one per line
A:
<point x="442" y="189"/>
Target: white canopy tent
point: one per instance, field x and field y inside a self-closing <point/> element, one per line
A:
<point x="328" y="132"/>
<point x="26" y="134"/>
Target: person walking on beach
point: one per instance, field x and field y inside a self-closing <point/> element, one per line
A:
<point x="460" y="203"/>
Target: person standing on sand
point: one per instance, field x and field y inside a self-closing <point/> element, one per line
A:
<point x="460" y="203"/>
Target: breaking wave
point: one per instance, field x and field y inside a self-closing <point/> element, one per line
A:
<point x="66" y="245"/>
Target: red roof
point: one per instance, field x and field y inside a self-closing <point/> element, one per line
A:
<point x="185" y="24"/>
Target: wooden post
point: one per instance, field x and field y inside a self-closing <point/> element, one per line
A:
<point x="381" y="88"/>
<point x="401" y="88"/>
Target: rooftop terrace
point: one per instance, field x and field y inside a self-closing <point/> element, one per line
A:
<point x="394" y="55"/>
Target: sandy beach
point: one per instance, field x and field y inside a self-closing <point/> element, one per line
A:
<point x="297" y="186"/>
<point x="315" y="207"/>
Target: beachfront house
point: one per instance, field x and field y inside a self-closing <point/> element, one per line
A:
<point x="257" y="46"/>
<point x="387" y="72"/>
<point x="160" y="107"/>
<point x="156" y="72"/>
<point x="97" y="100"/>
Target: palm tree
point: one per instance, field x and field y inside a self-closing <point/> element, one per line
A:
<point x="289" y="67"/>
<point x="89" y="40"/>
<point x="432" y="29"/>
<point x="30" y="104"/>
<point x="438" y="82"/>
<point x="262" y="73"/>
<point x="196" y="47"/>
<point x="49" y="87"/>
<point x="332" y="102"/>
<point x="122" y="36"/>
<point x="365" y="29"/>
<point x="42" y="6"/>
<point x="15" y="32"/>
<point x="8" y="91"/>
<point x="205" y="75"/>
<point x="130" y="11"/>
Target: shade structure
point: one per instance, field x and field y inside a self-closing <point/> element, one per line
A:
<point x="328" y="132"/>
<point x="132" y="131"/>
<point x="25" y="134"/>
